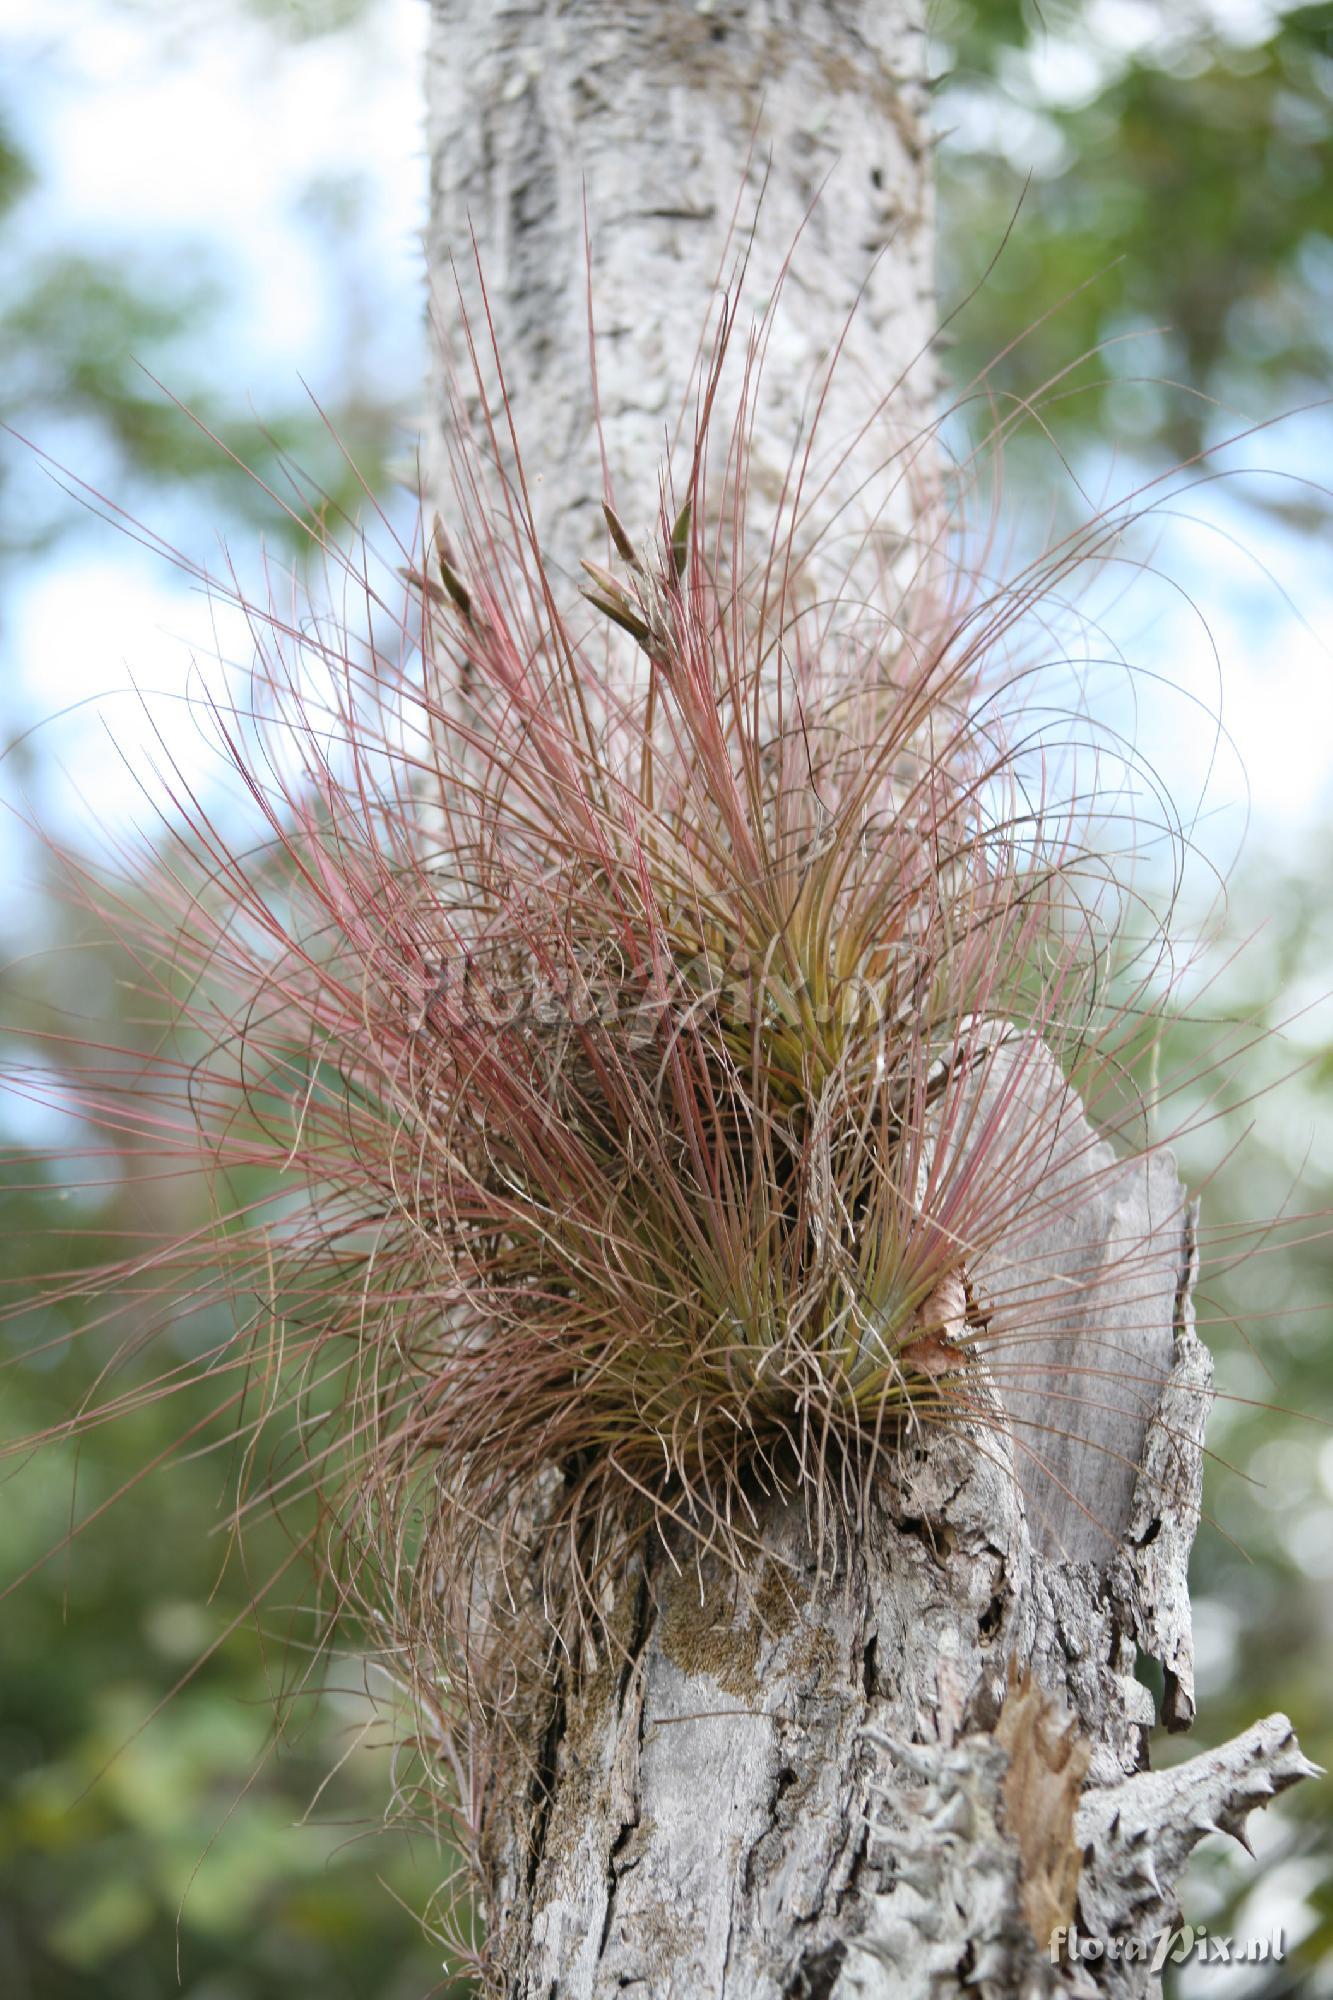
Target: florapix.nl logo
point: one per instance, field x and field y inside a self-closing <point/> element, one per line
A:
<point x="1173" y="1946"/>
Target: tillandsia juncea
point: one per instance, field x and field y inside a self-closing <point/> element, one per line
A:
<point x="631" y="1046"/>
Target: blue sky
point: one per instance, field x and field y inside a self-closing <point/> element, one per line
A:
<point x="212" y="136"/>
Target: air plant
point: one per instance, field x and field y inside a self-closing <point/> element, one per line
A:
<point x="627" y="1055"/>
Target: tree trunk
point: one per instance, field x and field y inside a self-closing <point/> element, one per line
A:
<point x="671" y="119"/>
<point x="848" y="1771"/>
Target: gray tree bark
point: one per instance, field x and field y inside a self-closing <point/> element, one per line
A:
<point x="898" y="1774"/>
<point x="670" y="119"/>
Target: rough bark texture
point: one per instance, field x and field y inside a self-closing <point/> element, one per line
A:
<point x="790" y="1785"/>
<point x="671" y="118"/>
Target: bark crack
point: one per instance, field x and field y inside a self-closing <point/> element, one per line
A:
<point x="542" y="1792"/>
<point x="629" y="1683"/>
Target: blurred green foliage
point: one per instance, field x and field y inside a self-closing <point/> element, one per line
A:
<point x="97" y="345"/>
<point x="193" y="1789"/>
<point x="145" y="1841"/>
<point x="1166" y="170"/>
<point x="114" y="350"/>
<point x="1177" y="175"/>
<point x="1262" y="1569"/>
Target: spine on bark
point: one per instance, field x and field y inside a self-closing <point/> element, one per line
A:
<point x="703" y="1022"/>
